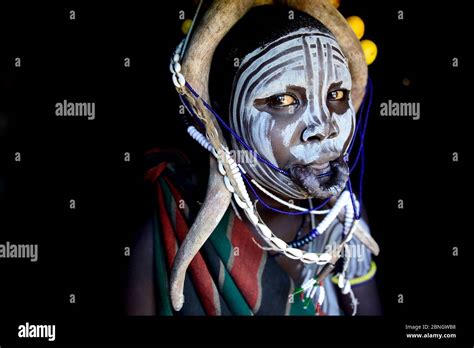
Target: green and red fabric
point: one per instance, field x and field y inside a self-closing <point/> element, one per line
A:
<point x="230" y="275"/>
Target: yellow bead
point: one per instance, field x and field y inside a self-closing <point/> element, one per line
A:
<point x="186" y="25"/>
<point x="335" y="3"/>
<point x="357" y="25"/>
<point x="370" y="51"/>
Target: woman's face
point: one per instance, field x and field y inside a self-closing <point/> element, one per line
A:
<point x="291" y="103"/>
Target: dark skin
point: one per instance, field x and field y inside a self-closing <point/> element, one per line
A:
<point x="289" y="107"/>
<point x="285" y="227"/>
<point x="140" y="291"/>
<point x="321" y="133"/>
<point x="286" y="108"/>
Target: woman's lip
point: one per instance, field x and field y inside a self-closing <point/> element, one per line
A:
<point x="319" y="166"/>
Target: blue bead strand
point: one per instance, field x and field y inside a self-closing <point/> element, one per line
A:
<point x="305" y="240"/>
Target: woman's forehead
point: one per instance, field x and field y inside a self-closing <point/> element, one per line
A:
<point x="293" y="42"/>
<point x="300" y="58"/>
<point x="294" y="74"/>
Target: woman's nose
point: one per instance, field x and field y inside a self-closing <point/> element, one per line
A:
<point x="319" y="133"/>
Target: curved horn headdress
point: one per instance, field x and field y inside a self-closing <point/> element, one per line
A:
<point x="196" y="64"/>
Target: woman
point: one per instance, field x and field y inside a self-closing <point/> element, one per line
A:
<point x="282" y="90"/>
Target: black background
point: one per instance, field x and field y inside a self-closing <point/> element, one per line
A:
<point x="81" y="251"/>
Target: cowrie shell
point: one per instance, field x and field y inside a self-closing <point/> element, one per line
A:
<point x="265" y="230"/>
<point x="295" y="253"/>
<point x="228" y="184"/>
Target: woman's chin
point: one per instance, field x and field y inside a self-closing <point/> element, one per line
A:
<point x="321" y="180"/>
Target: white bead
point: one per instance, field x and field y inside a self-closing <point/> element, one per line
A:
<point x="176" y="58"/>
<point x="177" y="67"/>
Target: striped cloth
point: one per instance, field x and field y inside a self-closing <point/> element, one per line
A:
<point x="230" y="275"/>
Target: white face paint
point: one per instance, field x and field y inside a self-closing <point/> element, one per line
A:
<point x="307" y="68"/>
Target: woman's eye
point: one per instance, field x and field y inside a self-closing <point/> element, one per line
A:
<point x="283" y="100"/>
<point x="337" y="95"/>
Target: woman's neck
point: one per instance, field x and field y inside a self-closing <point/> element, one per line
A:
<point x="284" y="226"/>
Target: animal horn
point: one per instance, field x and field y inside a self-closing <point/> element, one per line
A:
<point x="216" y="22"/>
<point x="215" y="205"/>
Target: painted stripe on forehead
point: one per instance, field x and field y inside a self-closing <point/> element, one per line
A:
<point x="300" y="67"/>
<point x="308" y="58"/>
<point x="276" y="76"/>
<point x="340" y="60"/>
<point x="268" y="62"/>
<point x="339" y="51"/>
<point x="257" y="74"/>
<point x="243" y="72"/>
<point x="256" y="78"/>
<point x="335" y="52"/>
<point x="250" y="58"/>
<point x="320" y="57"/>
<point x="334" y="48"/>
<point x="241" y="93"/>
<point x="272" y="75"/>
<point x="241" y="99"/>
<point x="248" y="74"/>
<point x="329" y="66"/>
